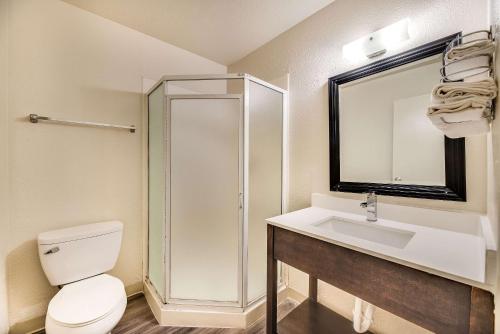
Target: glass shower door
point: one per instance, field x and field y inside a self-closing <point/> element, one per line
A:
<point x="205" y="143"/>
<point x="156" y="190"/>
<point x="265" y="179"/>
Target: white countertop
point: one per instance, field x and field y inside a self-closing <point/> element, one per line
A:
<point x="455" y="255"/>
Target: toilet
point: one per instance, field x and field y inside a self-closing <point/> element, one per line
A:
<point x="76" y="259"/>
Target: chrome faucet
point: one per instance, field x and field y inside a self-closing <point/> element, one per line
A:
<point x="371" y="206"/>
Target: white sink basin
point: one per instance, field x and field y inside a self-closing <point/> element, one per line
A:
<point x="367" y="231"/>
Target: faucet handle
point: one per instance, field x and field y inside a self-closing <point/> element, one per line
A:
<point x="363" y="204"/>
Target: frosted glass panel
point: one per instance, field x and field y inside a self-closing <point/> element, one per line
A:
<point x="156" y="268"/>
<point x="205" y="210"/>
<point x="265" y="173"/>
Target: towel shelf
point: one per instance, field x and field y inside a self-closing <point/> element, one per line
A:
<point x="469" y="63"/>
<point x="462" y="105"/>
<point x="34" y="118"/>
<point x="470" y="68"/>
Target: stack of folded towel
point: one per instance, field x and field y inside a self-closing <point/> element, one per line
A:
<point x="469" y="61"/>
<point x="462" y="109"/>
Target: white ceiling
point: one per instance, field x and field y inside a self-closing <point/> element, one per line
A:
<point x="221" y="30"/>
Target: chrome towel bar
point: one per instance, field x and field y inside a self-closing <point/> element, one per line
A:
<point x="34" y="118"/>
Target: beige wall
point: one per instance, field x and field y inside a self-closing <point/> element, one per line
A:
<point x="69" y="63"/>
<point x="311" y="52"/>
<point x="4" y="179"/>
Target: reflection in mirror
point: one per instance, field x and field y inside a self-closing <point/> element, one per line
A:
<point x="380" y="138"/>
<point x="385" y="135"/>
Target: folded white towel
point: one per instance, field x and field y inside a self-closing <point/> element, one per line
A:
<point x="479" y="76"/>
<point x="482" y="34"/>
<point x="467" y="68"/>
<point x="466" y="115"/>
<point x="482" y="47"/>
<point x="453" y="109"/>
<point x="466" y="129"/>
<point x="450" y="92"/>
<point x="462" y="118"/>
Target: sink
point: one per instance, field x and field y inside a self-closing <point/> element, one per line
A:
<point x="443" y="242"/>
<point x="367" y="231"/>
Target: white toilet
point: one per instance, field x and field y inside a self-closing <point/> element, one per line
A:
<point x="89" y="302"/>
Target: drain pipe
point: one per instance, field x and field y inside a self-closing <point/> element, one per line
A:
<point x="361" y="321"/>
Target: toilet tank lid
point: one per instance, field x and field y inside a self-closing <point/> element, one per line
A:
<point x="79" y="232"/>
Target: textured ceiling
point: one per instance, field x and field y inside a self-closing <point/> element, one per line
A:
<point x="221" y="30"/>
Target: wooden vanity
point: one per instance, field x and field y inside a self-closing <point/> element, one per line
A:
<point x="435" y="303"/>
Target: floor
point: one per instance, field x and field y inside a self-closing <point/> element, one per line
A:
<point x="138" y="318"/>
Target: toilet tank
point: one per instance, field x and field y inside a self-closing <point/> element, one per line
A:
<point x="72" y="254"/>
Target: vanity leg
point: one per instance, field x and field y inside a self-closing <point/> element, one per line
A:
<point x="272" y="285"/>
<point x="313" y="288"/>
<point x="481" y="319"/>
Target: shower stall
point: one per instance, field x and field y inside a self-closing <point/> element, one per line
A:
<point x="216" y="157"/>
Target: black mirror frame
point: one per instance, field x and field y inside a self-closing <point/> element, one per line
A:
<point x="455" y="189"/>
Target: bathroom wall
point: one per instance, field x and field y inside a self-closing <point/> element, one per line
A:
<point x="4" y="179"/>
<point x="68" y="63"/>
<point x="311" y="52"/>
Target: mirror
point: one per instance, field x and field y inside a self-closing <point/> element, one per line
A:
<point x="387" y="129"/>
<point x="380" y="137"/>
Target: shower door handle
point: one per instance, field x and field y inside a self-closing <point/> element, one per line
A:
<point x="241" y="200"/>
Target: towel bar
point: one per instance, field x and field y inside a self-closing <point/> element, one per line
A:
<point x="34" y="118"/>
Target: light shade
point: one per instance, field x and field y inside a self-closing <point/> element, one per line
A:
<point x="378" y="43"/>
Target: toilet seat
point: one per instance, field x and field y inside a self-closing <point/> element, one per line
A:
<point x="86" y="302"/>
<point x="103" y="326"/>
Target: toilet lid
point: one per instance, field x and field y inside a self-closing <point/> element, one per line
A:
<point x="87" y="301"/>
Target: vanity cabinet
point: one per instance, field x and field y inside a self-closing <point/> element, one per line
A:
<point x="436" y="303"/>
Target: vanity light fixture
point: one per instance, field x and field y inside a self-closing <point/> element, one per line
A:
<point x="378" y="43"/>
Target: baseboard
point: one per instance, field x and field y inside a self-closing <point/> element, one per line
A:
<point x="135" y="296"/>
<point x="32" y="326"/>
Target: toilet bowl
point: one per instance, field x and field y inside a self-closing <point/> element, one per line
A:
<point x="76" y="258"/>
<point x="91" y="306"/>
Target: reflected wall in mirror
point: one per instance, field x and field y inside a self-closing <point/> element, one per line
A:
<point x="380" y="137"/>
<point x="385" y="135"/>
